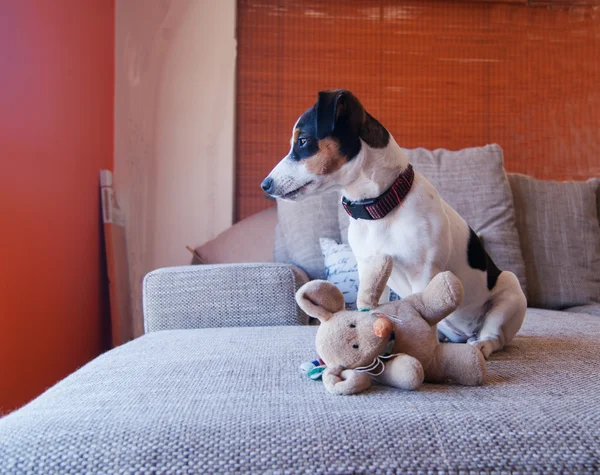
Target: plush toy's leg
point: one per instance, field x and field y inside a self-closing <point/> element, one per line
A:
<point x="459" y="362"/>
<point x="373" y="274"/>
<point x="403" y="372"/>
<point x="504" y="319"/>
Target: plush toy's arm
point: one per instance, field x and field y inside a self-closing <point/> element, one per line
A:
<point x="373" y="274"/>
<point x="345" y="381"/>
<point x="440" y="298"/>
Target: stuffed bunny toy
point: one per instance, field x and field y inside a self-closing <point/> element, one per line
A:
<point x="395" y="343"/>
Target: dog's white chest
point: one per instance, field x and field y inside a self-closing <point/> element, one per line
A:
<point x="406" y="234"/>
<point x="397" y="238"/>
<point x="383" y="237"/>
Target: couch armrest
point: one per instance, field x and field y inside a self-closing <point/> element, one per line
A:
<point x="222" y="295"/>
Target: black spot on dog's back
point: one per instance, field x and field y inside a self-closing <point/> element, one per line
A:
<point x="478" y="258"/>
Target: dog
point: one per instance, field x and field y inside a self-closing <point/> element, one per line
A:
<point x="338" y="145"/>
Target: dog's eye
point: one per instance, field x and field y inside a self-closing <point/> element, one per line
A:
<point x="355" y="345"/>
<point x="352" y="325"/>
<point x="301" y="142"/>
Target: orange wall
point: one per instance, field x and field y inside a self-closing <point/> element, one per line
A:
<point x="56" y="132"/>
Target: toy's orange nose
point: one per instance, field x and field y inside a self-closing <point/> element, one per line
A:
<point x="382" y="327"/>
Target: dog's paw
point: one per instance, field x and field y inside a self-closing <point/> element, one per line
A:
<point x="485" y="346"/>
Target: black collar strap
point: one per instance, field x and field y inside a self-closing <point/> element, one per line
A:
<point x="379" y="207"/>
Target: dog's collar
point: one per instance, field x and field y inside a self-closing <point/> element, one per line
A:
<point x="379" y="207"/>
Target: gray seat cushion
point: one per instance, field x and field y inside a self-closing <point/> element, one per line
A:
<point x="591" y="309"/>
<point x="560" y="237"/>
<point x="219" y="400"/>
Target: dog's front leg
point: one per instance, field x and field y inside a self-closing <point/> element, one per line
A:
<point x="373" y="274"/>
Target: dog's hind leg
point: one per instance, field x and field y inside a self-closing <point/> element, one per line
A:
<point x="505" y="317"/>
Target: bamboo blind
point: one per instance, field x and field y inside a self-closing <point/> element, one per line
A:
<point x="436" y="74"/>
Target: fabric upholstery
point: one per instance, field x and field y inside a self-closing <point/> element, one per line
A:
<point x="223" y="400"/>
<point x="596" y="182"/>
<point x="591" y="309"/>
<point x="302" y="224"/>
<point x="342" y="271"/>
<point x="249" y="240"/>
<point x="228" y="295"/>
<point x="280" y="253"/>
<point x="560" y="237"/>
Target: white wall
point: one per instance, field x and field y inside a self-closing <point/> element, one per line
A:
<point x="174" y="128"/>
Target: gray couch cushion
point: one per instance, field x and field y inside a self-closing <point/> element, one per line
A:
<point x="474" y="183"/>
<point x="280" y="253"/>
<point x="248" y="240"/>
<point x="560" y="237"/>
<point x="301" y="224"/>
<point x="591" y="309"/>
<point x="221" y="400"/>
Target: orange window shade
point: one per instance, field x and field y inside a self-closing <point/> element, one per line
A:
<point x="436" y="74"/>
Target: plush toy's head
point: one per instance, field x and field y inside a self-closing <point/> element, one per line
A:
<point x="345" y="338"/>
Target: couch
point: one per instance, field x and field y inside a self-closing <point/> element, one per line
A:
<point x="214" y="384"/>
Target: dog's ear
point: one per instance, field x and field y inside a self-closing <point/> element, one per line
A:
<point x="338" y="107"/>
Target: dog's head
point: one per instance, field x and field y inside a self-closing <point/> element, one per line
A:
<point x="325" y="139"/>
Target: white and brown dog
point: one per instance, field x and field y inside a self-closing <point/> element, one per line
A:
<point x="336" y="144"/>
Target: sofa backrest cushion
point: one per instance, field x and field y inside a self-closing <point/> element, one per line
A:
<point x="249" y="240"/>
<point x="300" y="225"/>
<point x="560" y="238"/>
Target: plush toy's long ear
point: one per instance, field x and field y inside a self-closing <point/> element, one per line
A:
<point x="320" y="299"/>
<point x="440" y="298"/>
<point x="338" y="105"/>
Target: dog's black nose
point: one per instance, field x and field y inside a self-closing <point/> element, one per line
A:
<point x="267" y="185"/>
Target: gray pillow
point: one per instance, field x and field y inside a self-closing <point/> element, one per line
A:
<point x="280" y="253"/>
<point x="302" y="224"/>
<point x="560" y="237"/>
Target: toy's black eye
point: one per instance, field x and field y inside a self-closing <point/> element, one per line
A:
<point x="355" y="345"/>
<point x="301" y="142"/>
<point x="352" y="325"/>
